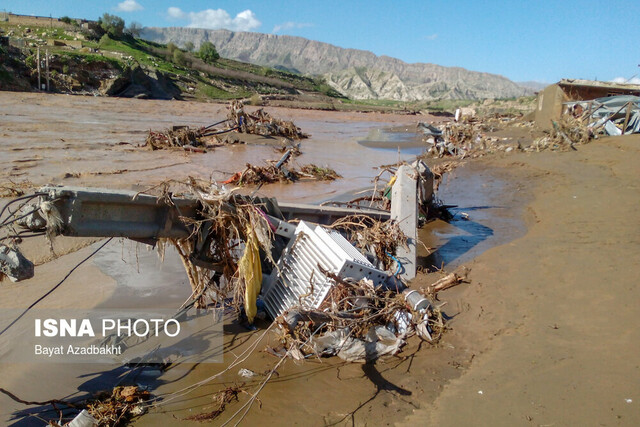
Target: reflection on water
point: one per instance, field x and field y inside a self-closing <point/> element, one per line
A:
<point x="487" y="214"/>
<point x="408" y="143"/>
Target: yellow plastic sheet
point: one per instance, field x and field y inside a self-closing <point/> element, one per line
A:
<point x="251" y="272"/>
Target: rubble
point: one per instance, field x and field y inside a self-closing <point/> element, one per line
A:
<point x="616" y="115"/>
<point x="14" y="265"/>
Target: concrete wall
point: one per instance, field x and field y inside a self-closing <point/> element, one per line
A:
<point x="549" y="106"/>
<point x="37" y="21"/>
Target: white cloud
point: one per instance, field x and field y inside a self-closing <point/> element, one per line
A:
<point x="632" y="80"/>
<point x="290" y="25"/>
<point x="216" y="19"/>
<point x="129" y="6"/>
<point x="176" y="13"/>
<point x="431" y="37"/>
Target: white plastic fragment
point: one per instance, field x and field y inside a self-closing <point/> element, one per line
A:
<point x="83" y="419"/>
<point x="246" y="373"/>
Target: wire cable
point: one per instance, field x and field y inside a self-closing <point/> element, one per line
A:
<point x="56" y="286"/>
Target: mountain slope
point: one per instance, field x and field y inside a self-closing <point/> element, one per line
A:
<point x="356" y="73"/>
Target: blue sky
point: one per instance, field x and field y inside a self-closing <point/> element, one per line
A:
<point x="538" y="40"/>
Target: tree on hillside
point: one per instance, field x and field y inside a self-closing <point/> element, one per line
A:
<point x="134" y="29"/>
<point x="180" y="58"/>
<point x="208" y="53"/>
<point x="112" y="25"/>
<point x="188" y="46"/>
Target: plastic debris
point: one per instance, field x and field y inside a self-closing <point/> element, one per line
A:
<point x="83" y="419"/>
<point x="246" y="373"/>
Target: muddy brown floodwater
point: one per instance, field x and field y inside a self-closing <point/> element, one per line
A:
<point x="542" y="335"/>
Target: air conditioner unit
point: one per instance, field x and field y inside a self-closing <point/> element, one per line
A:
<point x="299" y="279"/>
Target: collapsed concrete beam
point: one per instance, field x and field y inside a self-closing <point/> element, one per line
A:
<point x="404" y="211"/>
<point x="92" y="212"/>
<point x="95" y="212"/>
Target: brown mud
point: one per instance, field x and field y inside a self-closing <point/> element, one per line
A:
<point x="545" y="330"/>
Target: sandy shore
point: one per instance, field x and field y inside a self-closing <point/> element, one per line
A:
<point x="551" y="316"/>
<point x="544" y="330"/>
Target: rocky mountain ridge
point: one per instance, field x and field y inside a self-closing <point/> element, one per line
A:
<point x="355" y="73"/>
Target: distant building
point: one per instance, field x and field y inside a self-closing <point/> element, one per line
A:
<point x="550" y="100"/>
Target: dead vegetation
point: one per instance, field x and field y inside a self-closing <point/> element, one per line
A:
<point x="566" y="133"/>
<point x="369" y="235"/>
<point x="220" y="399"/>
<point x="464" y="139"/>
<point x="118" y="407"/>
<point x="258" y="123"/>
<point x="262" y="123"/>
<point x="220" y="229"/>
<point x="113" y="408"/>
<point x="256" y="175"/>
<point x="15" y="189"/>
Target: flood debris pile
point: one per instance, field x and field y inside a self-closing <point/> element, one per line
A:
<point x="359" y="322"/>
<point x="380" y="238"/>
<point x="119" y="406"/>
<point x="463" y="139"/>
<point x="280" y="171"/>
<point x="215" y="263"/>
<point x="566" y="134"/>
<point x="333" y="281"/>
<point x="583" y="121"/>
<point x="188" y="139"/>
<point x="198" y="139"/>
<point x="11" y="188"/>
<point x="262" y="123"/>
<point x="174" y="138"/>
<point x="112" y="408"/>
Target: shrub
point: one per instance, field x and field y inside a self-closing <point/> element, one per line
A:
<point x="179" y="57"/>
<point x="105" y="40"/>
<point x="208" y="53"/>
<point x="255" y="99"/>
